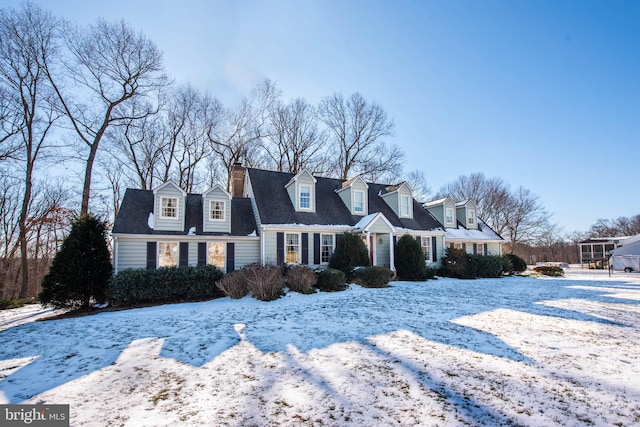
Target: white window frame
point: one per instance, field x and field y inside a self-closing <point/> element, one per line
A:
<point x="211" y="257"/>
<point x="164" y="206"/>
<point x="212" y="210"/>
<point x="301" y="198"/>
<point x="297" y="252"/>
<point x="426" y="247"/>
<point x="448" y="218"/>
<point x="331" y="247"/>
<point x="480" y="249"/>
<point x="457" y="245"/>
<point x="405" y="210"/>
<point x="168" y="254"/>
<point x="356" y="202"/>
<point x="471" y="217"/>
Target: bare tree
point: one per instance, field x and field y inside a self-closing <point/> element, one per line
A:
<point x="418" y="184"/>
<point x="622" y="226"/>
<point x="518" y="215"/>
<point x="294" y="141"/>
<point x="191" y="114"/>
<point x="10" y="122"/>
<point x="237" y="137"/>
<point x="136" y="146"/>
<point x="357" y="128"/>
<point x="491" y="195"/>
<point x="109" y="66"/>
<point x="27" y="44"/>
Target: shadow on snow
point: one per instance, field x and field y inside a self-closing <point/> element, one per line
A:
<point x="196" y="333"/>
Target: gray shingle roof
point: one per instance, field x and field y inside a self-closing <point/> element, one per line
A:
<point x="137" y="204"/>
<point x="275" y="207"/>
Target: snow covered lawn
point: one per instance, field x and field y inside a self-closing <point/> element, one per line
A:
<point x="515" y="351"/>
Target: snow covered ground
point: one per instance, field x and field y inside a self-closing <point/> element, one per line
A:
<point x="514" y="351"/>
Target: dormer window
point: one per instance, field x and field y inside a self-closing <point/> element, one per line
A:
<point x="169" y="208"/>
<point x="449" y="216"/>
<point x="305" y="197"/>
<point x="358" y="201"/>
<point x="216" y="211"/>
<point x="471" y="215"/>
<point x="404" y="206"/>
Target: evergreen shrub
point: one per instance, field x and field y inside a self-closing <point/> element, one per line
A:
<point x="518" y="265"/>
<point x="409" y="259"/>
<point x="488" y="266"/>
<point x="80" y="272"/>
<point x="458" y="264"/>
<point x="350" y="252"/>
<point x="372" y="276"/>
<point x="331" y="280"/>
<point x="171" y="284"/>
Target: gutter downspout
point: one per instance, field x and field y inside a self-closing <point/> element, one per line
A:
<point x="262" y="243"/>
<point x="115" y="254"/>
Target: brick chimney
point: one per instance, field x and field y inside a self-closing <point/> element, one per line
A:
<point x="237" y="180"/>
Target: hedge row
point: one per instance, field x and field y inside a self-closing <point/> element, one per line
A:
<point x="459" y="264"/>
<point x="138" y="286"/>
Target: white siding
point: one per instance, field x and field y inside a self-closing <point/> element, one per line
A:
<point x="213" y="225"/>
<point x="246" y="252"/>
<point x="131" y="254"/>
<point x="169" y="224"/>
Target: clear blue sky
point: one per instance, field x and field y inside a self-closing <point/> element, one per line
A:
<point x="544" y="94"/>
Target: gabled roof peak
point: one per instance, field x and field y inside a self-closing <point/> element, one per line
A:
<point x="436" y="202"/>
<point x="169" y="183"/>
<point x="217" y="187"/>
<point x="298" y="175"/>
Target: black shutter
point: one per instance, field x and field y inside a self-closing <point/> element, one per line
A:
<point x="485" y="249"/>
<point x="151" y="255"/>
<point x="184" y="254"/>
<point x="339" y="238"/>
<point x="202" y="253"/>
<point x="316" y="248"/>
<point x="280" y="248"/>
<point x="305" y="248"/>
<point x="419" y="239"/>
<point x="475" y="249"/>
<point x="231" y="257"/>
<point x="464" y="246"/>
<point x="434" y="254"/>
<point x="395" y="240"/>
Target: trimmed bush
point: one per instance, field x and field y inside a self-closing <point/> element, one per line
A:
<point x="488" y="266"/>
<point x="266" y="282"/>
<point x="518" y="265"/>
<point x="234" y="285"/>
<point x="409" y="259"/>
<point x="301" y="279"/>
<point x="80" y="272"/>
<point x="373" y="276"/>
<point x="458" y="264"/>
<point x="549" y="270"/>
<point x="174" y="284"/>
<point x="350" y="252"/>
<point x="331" y="280"/>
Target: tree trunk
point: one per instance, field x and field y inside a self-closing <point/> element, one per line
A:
<point x="24" y="287"/>
<point x="86" y="189"/>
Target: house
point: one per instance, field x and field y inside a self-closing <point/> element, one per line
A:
<point x="463" y="228"/>
<point x="271" y="218"/>
<point x="593" y="251"/>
